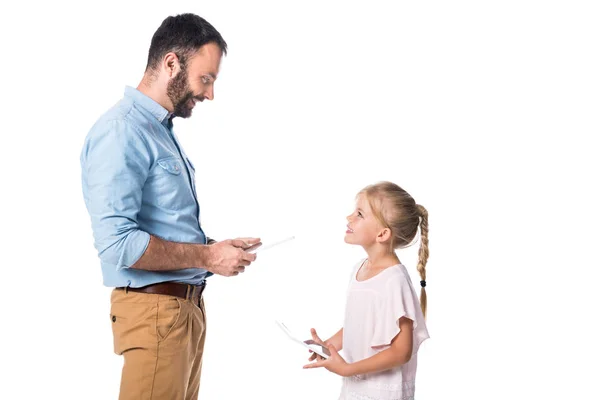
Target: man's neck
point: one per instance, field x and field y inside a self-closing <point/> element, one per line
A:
<point x="148" y="87"/>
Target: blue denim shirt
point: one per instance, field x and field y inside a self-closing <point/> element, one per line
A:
<point x="137" y="181"/>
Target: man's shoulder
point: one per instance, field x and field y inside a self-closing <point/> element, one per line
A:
<point x="122" y="117"/>
<point x="119" y="112"/>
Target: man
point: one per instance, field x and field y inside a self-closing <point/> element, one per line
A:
<point x="139" y="189"/>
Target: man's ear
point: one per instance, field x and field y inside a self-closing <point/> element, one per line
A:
<point x="171" y="64"/>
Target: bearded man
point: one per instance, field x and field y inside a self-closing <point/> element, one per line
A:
<point x="139" y="188"/>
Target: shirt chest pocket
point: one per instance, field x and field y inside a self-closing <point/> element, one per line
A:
<point x="171" y="165"/>
<point x="167" y="185"/>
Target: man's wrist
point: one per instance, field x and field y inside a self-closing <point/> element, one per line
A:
<point x="204" y="255"/>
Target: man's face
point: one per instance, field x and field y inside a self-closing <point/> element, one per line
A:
<point x="195" y="80"/>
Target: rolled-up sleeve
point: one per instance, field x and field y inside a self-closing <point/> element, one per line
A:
<point x="115" y="162"/>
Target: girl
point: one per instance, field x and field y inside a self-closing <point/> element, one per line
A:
<point x="384" y="325"/>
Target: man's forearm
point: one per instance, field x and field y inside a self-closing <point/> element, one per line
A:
<point x="162" y="255"/>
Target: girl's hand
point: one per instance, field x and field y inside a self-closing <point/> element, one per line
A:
<point x="316" y="340"/>
<point x="335" y="363"/>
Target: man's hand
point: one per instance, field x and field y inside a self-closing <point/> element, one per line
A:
<point x="228" y="258"/>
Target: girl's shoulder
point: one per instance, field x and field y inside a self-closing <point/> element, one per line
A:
<point x="396" y="272"/>
<point x="394" y="275"/>
<point x="399" y="269"/>
<point x="397" y="278"/>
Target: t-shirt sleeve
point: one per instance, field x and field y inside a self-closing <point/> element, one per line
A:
<point x="398" y="299"/>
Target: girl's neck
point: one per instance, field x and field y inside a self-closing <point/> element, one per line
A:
<point x="381" y="258"/>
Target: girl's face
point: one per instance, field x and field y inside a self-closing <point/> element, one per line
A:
<point x="363" y="227"/>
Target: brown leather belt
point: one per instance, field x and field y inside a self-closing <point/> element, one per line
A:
<point x="182" y="290"/>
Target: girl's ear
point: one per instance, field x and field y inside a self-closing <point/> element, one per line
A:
<point x="384" y="235"/>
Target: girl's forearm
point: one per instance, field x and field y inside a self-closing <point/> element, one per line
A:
<point x="382" y="361"/>
<point x="337" y="340"/>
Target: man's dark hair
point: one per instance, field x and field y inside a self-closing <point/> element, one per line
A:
<point x="183" y="35"/>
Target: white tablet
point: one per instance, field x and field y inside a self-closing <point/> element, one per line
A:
<point x="255" y="248"/>
<point x="314" y="347"/>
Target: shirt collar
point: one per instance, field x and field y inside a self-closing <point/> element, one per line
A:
<point x="159" y="112"/>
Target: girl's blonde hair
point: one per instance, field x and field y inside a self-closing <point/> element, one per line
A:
<point x="397" y="210"/>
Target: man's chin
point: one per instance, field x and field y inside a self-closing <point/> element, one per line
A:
<point x="185" y="113"/>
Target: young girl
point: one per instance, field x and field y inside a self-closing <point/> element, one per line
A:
<point x="384" y="325"/>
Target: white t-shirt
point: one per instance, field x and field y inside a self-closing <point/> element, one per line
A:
<point x="373" y="308"/>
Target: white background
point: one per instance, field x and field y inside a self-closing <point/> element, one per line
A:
<point x="484" y="111"/>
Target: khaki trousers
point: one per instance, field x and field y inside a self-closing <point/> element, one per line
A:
<point x="162" y="340"/>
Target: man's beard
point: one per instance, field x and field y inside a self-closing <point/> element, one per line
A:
<point x="178" y="90"/>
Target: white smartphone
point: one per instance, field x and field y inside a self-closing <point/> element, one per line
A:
<point x="252" y="249"/>
<point x="255" y="248"/>
<point x="313" y="347"/>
